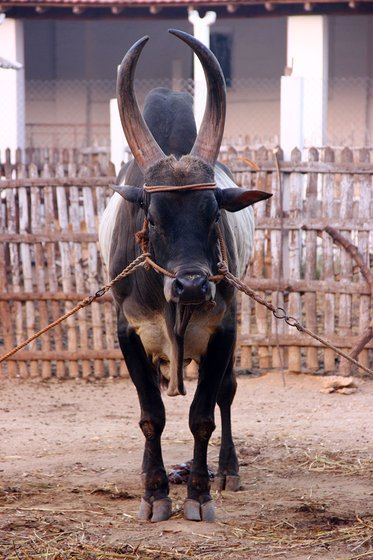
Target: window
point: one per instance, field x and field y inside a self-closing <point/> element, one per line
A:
<point x="221" y="46"/>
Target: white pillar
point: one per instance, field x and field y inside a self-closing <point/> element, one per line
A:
<point x="118" y="143"/>
<point x="304" y="92"/>
<point x="12" y="87"/>
<point x="291" y="114"/>
<point x="119" y="149"/>
<point x="176" y="74"/>
<point x="201" y="31"/>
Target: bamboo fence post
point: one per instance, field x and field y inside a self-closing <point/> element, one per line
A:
<point x="26" y="265"/>
<point x="66" y="255"/>
<point x="50" y="227"/>
<point x="89" y="214"/>
<point x="310" y="299"/>
<point x="5" y="306"/>
<point x="277" y="327"/>
<point x="15" y="267"/>
<point x="37" y="204"/>
<point x="246" y="351"/>
<point x="295" y="256"/>
<point x="345" y="300"/>
<point x="261" y="314"/>
<point x="328" y="261"/>
<point x="75" y="219"/>
<point x="364" y="213"/>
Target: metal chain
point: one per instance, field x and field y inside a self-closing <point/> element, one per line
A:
<point x="281" y="314"/>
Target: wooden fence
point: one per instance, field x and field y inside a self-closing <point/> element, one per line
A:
<point x="298" y="263"/>
<point x="50" y="206"/>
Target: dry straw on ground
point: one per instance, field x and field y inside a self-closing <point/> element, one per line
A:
<point x="259" y="538"/>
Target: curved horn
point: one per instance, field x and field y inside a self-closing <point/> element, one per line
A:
<point x="145" y="149"/>
<point x="208" y="141"/>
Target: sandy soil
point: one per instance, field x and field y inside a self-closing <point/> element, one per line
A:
<point x="70" y="486"/>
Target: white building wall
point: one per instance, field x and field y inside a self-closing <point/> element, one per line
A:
<point x="76" y="51"/>
<point x="259" y="57"/>
<point x="12" y="100"/>
<point x="351" y="69"/>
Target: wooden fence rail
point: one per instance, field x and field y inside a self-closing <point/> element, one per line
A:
<point x="50" y="206"/>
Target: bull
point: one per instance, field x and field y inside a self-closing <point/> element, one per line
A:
<point x="191" y="215"/>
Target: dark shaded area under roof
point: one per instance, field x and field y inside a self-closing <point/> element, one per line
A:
<point x="168" y="9"/>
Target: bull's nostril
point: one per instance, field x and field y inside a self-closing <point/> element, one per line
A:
<point x="205" y="287"/>
<point x="179" y="287"/>
<point x="191" y="288"/>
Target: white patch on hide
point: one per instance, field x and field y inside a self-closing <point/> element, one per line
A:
<point x="107" y="224"/>
<point x="156" y="341"/>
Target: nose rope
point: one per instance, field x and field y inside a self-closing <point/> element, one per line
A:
<point x="142" y="238"/>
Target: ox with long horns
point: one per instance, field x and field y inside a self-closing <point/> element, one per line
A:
<point x="190" y="215"/>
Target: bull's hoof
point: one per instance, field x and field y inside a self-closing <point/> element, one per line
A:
<point x="145" y="510"/>
<point x="232" y="483"/>
<point x="162" y="510"/>
<point x="159" y="510"/>
<point x="229" y="482"/>
<point x="194" y="511"/>
<point x="208" y="511"/>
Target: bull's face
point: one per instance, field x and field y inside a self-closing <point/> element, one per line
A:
<point x="182" y="227"/>
<point x="183" y="239"/>
<point x="182" y="224"/>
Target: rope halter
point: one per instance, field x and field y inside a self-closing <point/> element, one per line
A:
<point x="143" y="239"/>
<point x="171" y="188"/>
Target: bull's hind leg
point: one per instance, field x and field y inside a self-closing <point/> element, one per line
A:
<point x="155" y="504"/>
<point x="227" y="477"/>
<point x="199" y="505"/>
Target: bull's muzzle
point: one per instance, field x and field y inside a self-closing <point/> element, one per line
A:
<point x="189" y="289"/>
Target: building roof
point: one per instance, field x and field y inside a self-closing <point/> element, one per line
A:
<point x="122" y="8"/>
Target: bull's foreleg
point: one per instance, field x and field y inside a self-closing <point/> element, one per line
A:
<point x="155" y="504"/>
<point x="227" y="476"/>
<point x="199" y="505"/>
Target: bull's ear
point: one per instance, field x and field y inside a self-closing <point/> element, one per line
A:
<point x="234" y="199"/>
<point x="132" y="194"/>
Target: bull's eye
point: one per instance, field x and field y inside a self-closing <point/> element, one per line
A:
<point x="151" y="222"/>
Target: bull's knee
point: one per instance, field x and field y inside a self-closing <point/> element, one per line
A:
<point x="151" y="428"/>
<point x="202" y="428"/>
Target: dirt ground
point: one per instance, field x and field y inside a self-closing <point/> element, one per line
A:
<point x="70" y="485"/>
